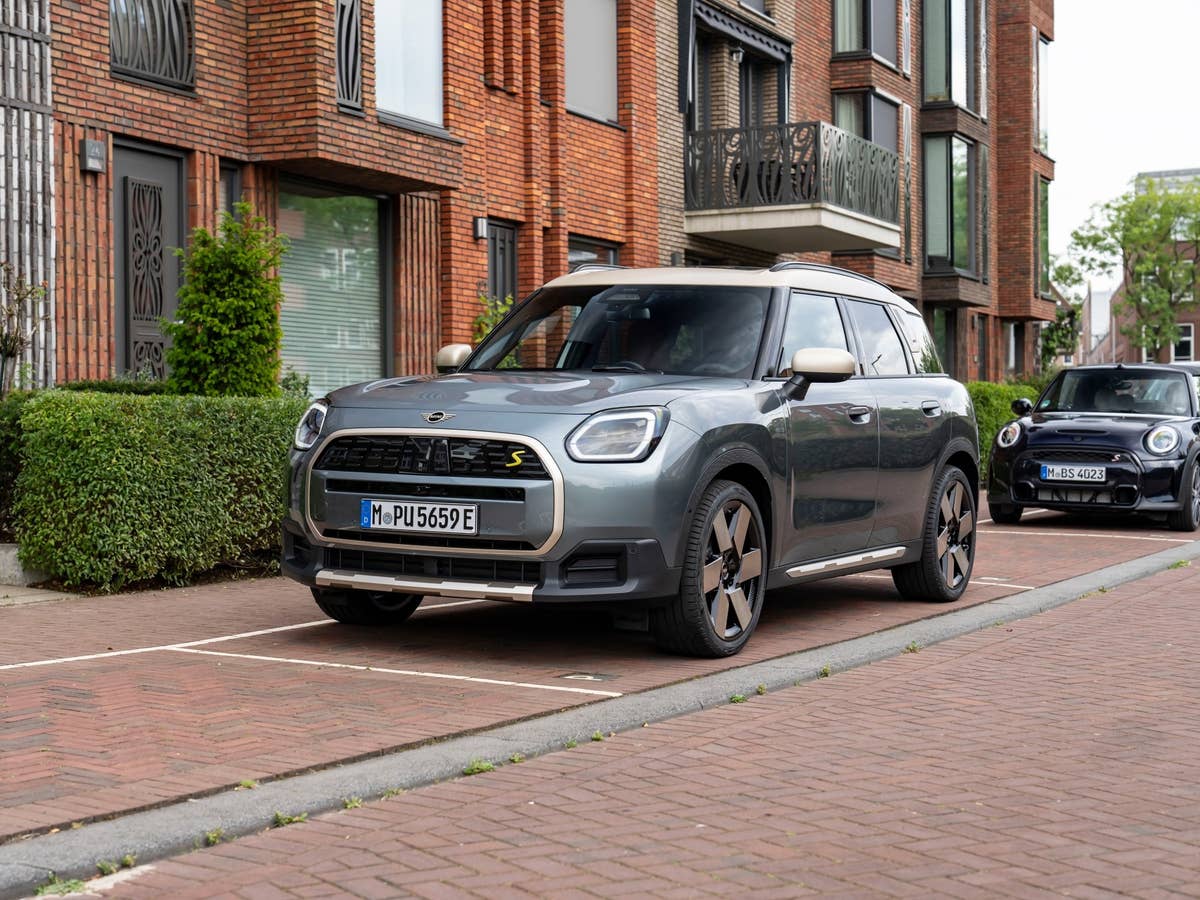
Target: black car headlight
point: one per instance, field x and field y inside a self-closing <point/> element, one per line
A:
<point x="1008" y="435"/>
<point x="1161" y="440"/>
<point x="620" y="435"/>
<point x="311" y="424"/>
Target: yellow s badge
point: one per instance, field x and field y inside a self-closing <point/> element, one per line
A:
<point x="517" y="459"/>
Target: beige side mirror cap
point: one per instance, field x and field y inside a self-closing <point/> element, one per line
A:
<point x="451" y="357"/>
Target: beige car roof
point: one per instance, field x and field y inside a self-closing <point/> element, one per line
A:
<point x="827" y="280"/>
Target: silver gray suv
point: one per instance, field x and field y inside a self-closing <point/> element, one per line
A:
<point x="677" y="440"/>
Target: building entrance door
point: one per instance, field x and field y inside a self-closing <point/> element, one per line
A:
<point x="148" y="226"/>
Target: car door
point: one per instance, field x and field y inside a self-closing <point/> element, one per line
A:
<point x="833" y="443"/>
<point x="910" y="420"/>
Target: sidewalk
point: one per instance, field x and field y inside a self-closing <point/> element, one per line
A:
<point x="1055" y="755"/>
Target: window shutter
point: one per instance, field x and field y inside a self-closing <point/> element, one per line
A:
<point x="983" y="59"/>
<point x="906" y="38"/>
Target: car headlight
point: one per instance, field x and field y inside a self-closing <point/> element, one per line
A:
<point x="310" y="425"/>
<point x="622" y="435"/>
<point x="1009" y="435"/>
<point x="1161" y="440"/>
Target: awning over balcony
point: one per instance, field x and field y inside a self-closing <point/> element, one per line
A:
<point x="791" y="188"/>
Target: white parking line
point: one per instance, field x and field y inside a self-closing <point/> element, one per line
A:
<point x="214" y="640"/>
<point x="408" y="672"/>
<point x="1025" y="515"/>
<point x="982" y="579"/>
<point x="1086" y="534"/>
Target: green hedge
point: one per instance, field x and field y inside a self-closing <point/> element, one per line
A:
<point x="117" y="488"/>
<point x="117" y="386"/>
<point x="993" y="410"/>
<point x="10" y="458"/>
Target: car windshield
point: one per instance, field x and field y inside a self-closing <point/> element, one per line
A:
<point x="1136" y="391"/>
<point x="668" y="329"/>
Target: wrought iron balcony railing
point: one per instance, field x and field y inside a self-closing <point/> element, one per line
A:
<point x="796" y="163"/>
<point x="153" y="40"/>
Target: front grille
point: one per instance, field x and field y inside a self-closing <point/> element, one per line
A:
<point x="1091" y="496"/>
<point x="424" y="491"/>
<point x="1081" y="456"/>
<point x="594" y="570"/>
<point x="407" y="455"/>
<point x="424" y="540"/>
<point x="369" y="561"/>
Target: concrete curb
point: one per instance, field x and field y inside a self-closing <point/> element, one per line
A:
<point x="175" y="829"/>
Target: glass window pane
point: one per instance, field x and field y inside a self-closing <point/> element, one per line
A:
<point x="408" y="58"/>
<point x="937" y="202"/>
<point x="960" y="57"/>
<point x="331" y="312"/>
<point x="920" y="343"/>
<point x="848" y="113"/>
<point x="581" y="251"/>
<point x="883" y="352"/>
<point x="591" y="57"/>
<point x="961" y="201"/>
<point x="883" y="29"/>
<point x="885" y="121"/>
<point x="812" y="321"/>
<point x="1183" y="348"/>
<point x="937" y="51"/>
<point x="943" y="335"/>
<point x="1043" y="97"/>
<point x="848" y="26"/>
<point x="1043" y="236"/>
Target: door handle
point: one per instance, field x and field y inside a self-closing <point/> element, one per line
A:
<point x="931" y="408"/>
<point x="859" y="415"/>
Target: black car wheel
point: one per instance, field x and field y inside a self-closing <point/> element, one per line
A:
<point x="947" y="543"/>
<point x="724" y="577"/>
<point x="366" y="607"/>
<point x="1005" y="514"/>
<point x="1187" y="518"/>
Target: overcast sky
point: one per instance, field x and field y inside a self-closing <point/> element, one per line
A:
<point x="1121" y="100"/>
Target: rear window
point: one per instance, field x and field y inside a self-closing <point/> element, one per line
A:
<point x="920" y="342"/>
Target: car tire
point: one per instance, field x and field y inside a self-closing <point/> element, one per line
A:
<point x="366" y="607"/>
<point x="947" y="543"/>
<point x="724" y="577"/>
<point x="1188" y="517"/>
<point x="1006" y="514"/>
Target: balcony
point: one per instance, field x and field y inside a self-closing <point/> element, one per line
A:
<point x="791" y="188"/>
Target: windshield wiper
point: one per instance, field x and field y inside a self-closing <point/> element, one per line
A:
<point x="617" y="367"/>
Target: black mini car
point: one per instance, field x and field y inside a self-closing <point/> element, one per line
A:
<point x="1111" y="438"/>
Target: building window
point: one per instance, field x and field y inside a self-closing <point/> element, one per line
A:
<point x="1042" y="234"/>
<point x="950" y="52"/>
<point x="502" y="260"/>
<point x="869" y="116"/>
<point x="230" y="187"/>
<point x="1183" y="350"/>
<point x="591" y="57"/>
<point x="153" y="40"/>
<point x="756" y="5"/>
<point x="865" y="25"/>
<point x="347" y="37"/>
<point x="408" y="59"/>
<point x="1015" y="335"/>
<point x="942" y="325"/>
<point x="581" y="251"/>
<point x="1041" y="92"/>
<point x="949" y="204"/>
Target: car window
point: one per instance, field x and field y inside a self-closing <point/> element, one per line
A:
<point x="882" y="350"/>
<point x="1124" y="390"/>
<point x="920" y="343"/>
<point x="813" y="320"/>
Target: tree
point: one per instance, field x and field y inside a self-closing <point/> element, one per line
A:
<point x="1153" y="235"/>
<point x="19" y="321"/>
<point x="1062" y="335"/>
<point x="225" y="341"/>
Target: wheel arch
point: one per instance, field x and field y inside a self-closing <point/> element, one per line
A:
<point x="960" y="453"/>
<point x="747" y="468"/>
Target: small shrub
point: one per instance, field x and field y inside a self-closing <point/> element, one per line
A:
<point x="225" y="341"/>
<point x="132" y="385"/>
<point x="993" y="410"/>
<point x="494" y="310"/>
<point x="117" y="489"/>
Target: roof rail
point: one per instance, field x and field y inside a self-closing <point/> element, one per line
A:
<point x="596" y="267"/>
<point x="821" y="267"/>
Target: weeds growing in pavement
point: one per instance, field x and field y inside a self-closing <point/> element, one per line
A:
<point x="760" y="690"/>
<point x="571" y="743"/>
<point x="214" y="837"/>
<point x="738" y="698"/>
<point x="56" y="886"/>
<point x="129" y="860"/>
<point x="517" y="758"/>
<point x="106" y="867"/>
<point x="352" y="803"/>
<point x="824" y="673"/>
<point x="247" y="784"/>
<point x="280" y="819"/>
<point x="1180" y="564"/>
<point x="477" y="766"/>
<point x="597" y="736"/>
<point x="392" y="792"/>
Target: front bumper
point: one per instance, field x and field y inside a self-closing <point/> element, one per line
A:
<point x="1132" y="483"/>
<point x="592" y="571"/>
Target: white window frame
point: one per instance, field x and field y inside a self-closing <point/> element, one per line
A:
<point x="1187" y="332"/>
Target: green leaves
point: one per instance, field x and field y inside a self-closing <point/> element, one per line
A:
<point x="116" y="489"/>
<point x="226" y="339"/>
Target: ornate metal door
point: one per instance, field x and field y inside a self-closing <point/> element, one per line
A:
<point x="148" y="213"/>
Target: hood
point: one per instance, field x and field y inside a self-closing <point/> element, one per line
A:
<point x="572" y="393"/>
<point x="1097" y="427"/>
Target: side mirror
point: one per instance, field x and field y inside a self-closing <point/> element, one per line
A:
<point x="451" y="357"/>
<point x="817" y="365"/>
<point x="1022" y="407"/>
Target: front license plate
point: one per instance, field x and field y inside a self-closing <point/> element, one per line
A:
<point x="1074" y="473"/>
<point x="424" y="518"/>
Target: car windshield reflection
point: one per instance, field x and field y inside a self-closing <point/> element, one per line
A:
<point x="1122" y="391"/>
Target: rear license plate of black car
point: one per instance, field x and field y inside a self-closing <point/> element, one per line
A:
<point x="1074" y="473"/>
<point x="422" y="518"/>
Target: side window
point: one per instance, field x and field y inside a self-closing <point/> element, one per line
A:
<point x="920" y="342"/>
<point x="812" y="321"/>
<point x="881" y="347"/>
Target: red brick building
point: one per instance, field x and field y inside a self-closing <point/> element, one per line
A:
<point x="422" y="153"/>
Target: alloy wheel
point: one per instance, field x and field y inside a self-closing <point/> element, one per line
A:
<point x="956" y="534"/>
<point x="1196" y="492"/>
<point x="732" y="570"/>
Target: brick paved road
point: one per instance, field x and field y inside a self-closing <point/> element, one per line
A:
<point x="93" y="737"/>
<point x="1051" y="756"/>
